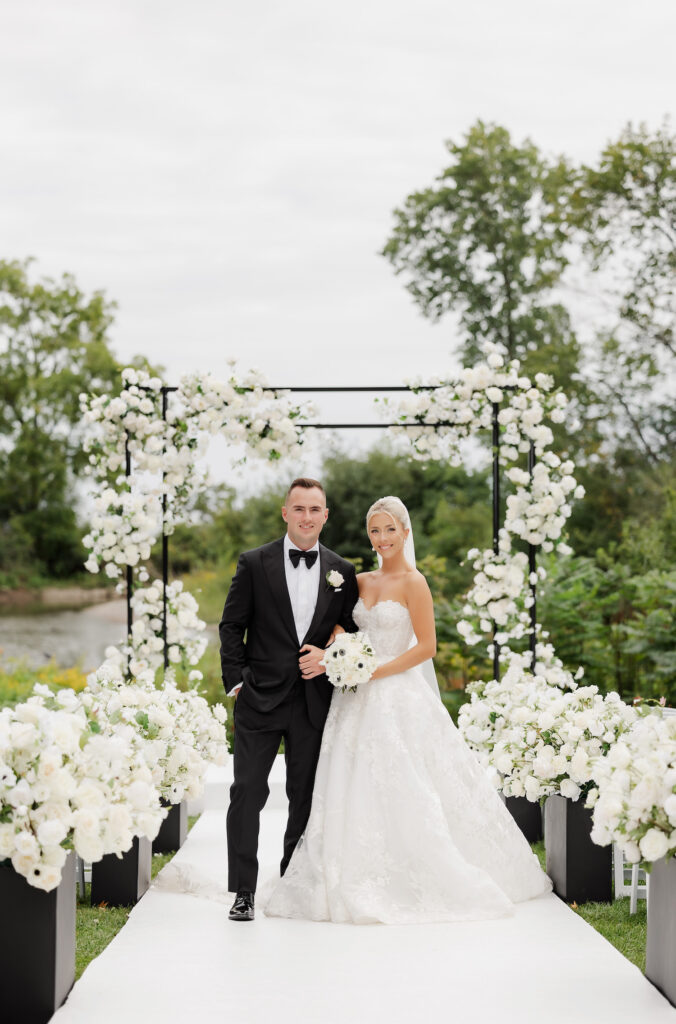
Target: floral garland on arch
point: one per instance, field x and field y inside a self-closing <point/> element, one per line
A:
<point x="536" y="512"/>
<point x="129" y="516"/>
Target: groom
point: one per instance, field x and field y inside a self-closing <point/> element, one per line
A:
<point x="284" y="601"/>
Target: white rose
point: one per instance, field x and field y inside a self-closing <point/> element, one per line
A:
<point x="631" y="851"/>
<point x="51" y="833"/>
<point x="670" y="808"/>
<point x="46" y="877"/>
<point x="570" y="789"/>
<point x="654" y="844"/>
<point x="89" y="847"/>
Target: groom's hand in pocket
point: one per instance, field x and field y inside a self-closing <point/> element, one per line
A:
<point x="309" y="661"/>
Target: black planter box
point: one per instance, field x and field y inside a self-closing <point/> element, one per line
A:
<point x="173" y="829"/>
<point x="581" y="871"/>
<point x="660" y="953"/>
<point x="527" y="815"/>
<point x="121" y="881"/>
<point x="37" y="948"/>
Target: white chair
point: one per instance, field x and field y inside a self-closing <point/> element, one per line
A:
<point x="630" y="880"/>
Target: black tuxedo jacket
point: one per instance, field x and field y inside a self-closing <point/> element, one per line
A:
<point x="259" y="644"/>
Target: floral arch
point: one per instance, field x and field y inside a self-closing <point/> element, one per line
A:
<point x="144" y="456"/>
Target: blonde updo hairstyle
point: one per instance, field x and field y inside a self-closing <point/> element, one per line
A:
<point x="391" y="506"/>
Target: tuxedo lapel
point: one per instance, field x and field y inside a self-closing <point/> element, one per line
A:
<point x="324" y="592"/>
<point x="273" y="564"/>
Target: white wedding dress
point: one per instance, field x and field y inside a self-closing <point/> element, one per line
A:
<point x="405" y="825"/>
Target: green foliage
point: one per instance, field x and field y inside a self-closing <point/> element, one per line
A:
<point x="625" y="211"/>
<point x="487" y="241"/>
<point x="53" y="346"/>
<point x="620" y="627"/>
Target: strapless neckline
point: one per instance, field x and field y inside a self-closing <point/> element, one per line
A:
<point x="387" y="600"/>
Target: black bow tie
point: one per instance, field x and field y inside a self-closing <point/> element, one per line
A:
<point x="310" y="557"/>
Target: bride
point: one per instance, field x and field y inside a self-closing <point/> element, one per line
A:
<point x="405" y="825"/>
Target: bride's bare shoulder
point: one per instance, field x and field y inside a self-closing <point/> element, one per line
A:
<point x="416" y="586"/>
<point x="366" y="580"/>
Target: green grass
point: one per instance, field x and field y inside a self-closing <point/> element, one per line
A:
<point x="95" y="927"/>
<point x="625" y="931"/>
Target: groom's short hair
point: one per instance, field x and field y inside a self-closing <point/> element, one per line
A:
<point x="304" y="481"/>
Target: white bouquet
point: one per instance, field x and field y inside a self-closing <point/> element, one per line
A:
<point x="635" y="799"/>
<point x="350" y="660"/>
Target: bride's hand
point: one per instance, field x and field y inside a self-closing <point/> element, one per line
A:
<point x="337" y="630"/>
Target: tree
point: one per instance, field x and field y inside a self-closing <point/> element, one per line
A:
<point x="488" y="241"/>
<point x="625" y="211"/>
<point x="53" y="345"/>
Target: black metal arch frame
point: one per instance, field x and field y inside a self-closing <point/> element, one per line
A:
<point x="166" y="390"/>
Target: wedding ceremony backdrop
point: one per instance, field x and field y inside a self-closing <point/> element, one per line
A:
<point x="606" y="769"/>
<point x="141" y="432"/>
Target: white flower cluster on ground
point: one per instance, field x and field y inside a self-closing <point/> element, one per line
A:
<point x="88" y="770"/>
<point x="634" y="799"/>
<point x="65" y="781"/>
<point x="541" y="733"/>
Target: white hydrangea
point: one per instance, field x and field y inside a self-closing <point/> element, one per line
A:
<point x="635" y="796"/>
<point x="65" y="782"/>
<point x="541" y="732"/>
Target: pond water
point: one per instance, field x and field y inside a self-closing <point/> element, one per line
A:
<point x="68" y="637"/>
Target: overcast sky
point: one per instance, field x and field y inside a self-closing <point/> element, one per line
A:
<point x="226" y="171"/>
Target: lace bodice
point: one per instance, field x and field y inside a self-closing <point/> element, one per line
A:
<point x="388" y="625"/>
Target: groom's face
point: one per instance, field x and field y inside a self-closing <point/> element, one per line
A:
<point x="305" y="513"/>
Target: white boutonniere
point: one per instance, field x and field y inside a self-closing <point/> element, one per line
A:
<point x="335" y="580"/>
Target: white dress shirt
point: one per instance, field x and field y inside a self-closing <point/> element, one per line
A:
<point x="303" y="585"/>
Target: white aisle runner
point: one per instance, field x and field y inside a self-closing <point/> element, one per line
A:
<point x="178" y="959"/>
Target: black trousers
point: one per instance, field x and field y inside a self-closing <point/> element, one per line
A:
<point x="257" y="739"/>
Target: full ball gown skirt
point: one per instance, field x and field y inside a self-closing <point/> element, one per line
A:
<point x="405" y="826"/>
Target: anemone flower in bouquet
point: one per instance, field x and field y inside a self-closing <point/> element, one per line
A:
<point x="350" y="661"/>
<point x="64" y="783"/>
<point x="634" y="799"/>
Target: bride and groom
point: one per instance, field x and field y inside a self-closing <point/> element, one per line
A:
<point x="391" y="817"/>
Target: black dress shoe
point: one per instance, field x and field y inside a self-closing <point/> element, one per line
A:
<point x="243" y="907"/>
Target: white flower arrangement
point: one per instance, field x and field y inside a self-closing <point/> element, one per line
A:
<point x="350" y="660"/>
<point x="176" y="731"/>
<point x="634" y="799"/>
<point x="535" y="513"/>
<point x="64" y="783"/>
<point x="185" y="629"/>
<point x="541" y="733"/>
<point x="129" y="515"/>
